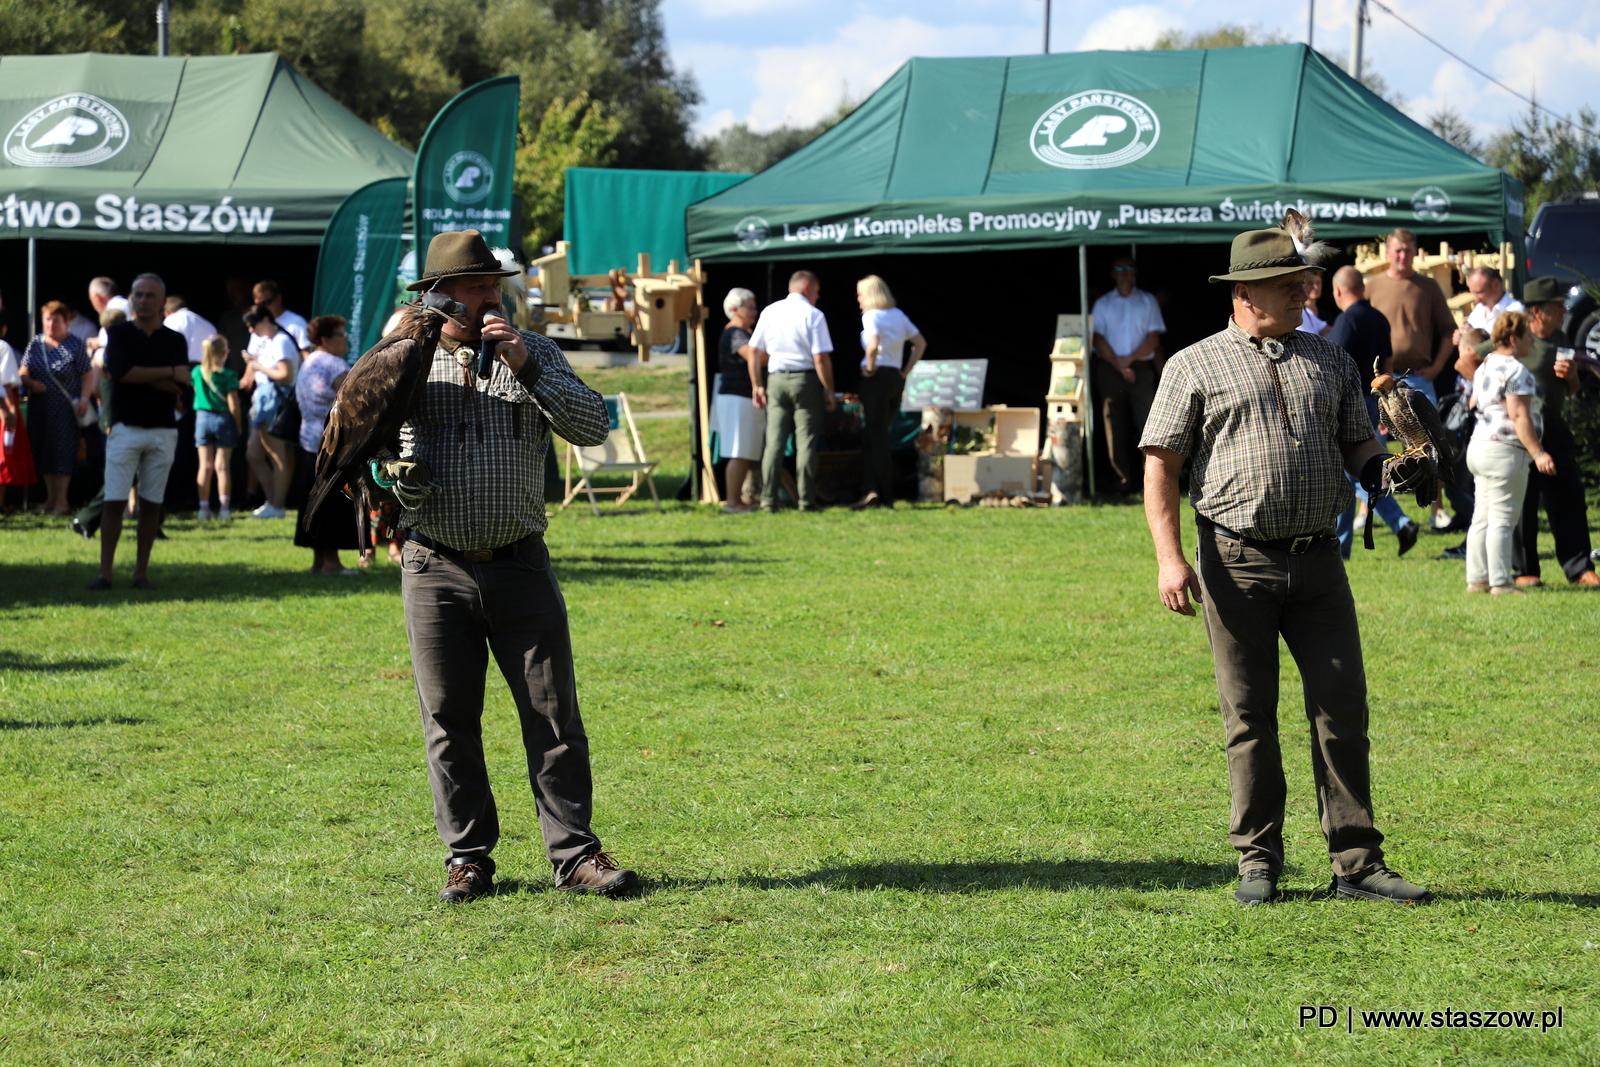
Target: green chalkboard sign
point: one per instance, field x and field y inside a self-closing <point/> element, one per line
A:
<point x="945" y="383"/>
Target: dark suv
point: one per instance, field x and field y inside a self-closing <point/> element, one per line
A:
<point x="1564" y="240"/>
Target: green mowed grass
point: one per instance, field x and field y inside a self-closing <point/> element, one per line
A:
<point x="945" y="787"/>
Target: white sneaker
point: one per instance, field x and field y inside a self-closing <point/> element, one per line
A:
<point x="205" y="512"/>
<point x="1441" y="520"/>
<point x="224" y="515"/>
<point x="267" y="511"/>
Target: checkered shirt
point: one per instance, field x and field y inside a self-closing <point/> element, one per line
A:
<point x="1263" y="433"/>
<point x="485" y="442"/>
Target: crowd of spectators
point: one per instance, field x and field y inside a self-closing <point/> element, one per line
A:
<point x="108" y="392"/>
<point x="110" y="398"/>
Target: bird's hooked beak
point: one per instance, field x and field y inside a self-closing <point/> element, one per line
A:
<point x="444" y="305"/>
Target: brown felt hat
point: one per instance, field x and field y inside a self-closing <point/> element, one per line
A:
<point x="455" y="253"/>
<point x="1261" y="254"/>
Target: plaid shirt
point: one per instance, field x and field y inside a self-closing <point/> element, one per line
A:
<point x="1263" y="432"/>
<point x="485" y="442"/>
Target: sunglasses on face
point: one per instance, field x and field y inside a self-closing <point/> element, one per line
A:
<point x="1119" y="270"/>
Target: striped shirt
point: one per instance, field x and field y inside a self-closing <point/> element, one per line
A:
<point x="1263" y="432"/>
<point x="485" y="442"/>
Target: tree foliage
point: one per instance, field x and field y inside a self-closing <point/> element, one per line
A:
<point x="571" y="133"/>
<point x="1549" y="157"/>
<point x="394" y="63"/>
<point x="1228" y="35"/>
<point x="1451" y="125"/>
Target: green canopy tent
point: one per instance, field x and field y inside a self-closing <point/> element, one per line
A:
<point x="201" y="149"/>
<point x="954" y="155"/>
<point x="1005" y="160"/>
<point x="612" y="215"/>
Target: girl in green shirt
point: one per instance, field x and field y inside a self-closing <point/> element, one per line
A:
<point x="217" y="425"/>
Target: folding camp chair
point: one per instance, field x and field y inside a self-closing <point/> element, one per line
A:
<point x="620" y="454"/>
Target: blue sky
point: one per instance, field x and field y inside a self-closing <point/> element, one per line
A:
<point x="774" y="62"/>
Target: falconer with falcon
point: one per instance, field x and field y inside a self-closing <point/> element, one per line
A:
<point x="1271" y="418"/>
<point x="475" y="575"/>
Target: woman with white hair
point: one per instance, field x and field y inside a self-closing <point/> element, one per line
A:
<point x="740" y="426"/>
<point x="885" y="332"/>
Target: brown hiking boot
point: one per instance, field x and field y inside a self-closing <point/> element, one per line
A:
<point x="467" y="879"/>
<point x="599" y="873"/>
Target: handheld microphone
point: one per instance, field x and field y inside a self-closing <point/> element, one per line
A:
<point x="486" y="356"/>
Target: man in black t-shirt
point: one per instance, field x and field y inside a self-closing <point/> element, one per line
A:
<point x="1363" y="331"/>
<point x="148" y="365"/>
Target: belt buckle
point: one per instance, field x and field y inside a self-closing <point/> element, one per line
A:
<point x="1298" y="546"/>
<point x="478" y="555"/>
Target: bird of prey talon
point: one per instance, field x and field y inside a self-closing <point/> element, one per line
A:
<point x="378" y="396"/>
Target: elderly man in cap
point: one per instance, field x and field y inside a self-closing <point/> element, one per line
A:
<point x="1272" y="418"/>
<point x="476" y="577"/>
<point x="1551" y="361"/>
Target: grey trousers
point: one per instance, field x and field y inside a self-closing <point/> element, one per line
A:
<point x="456" y="615"/>
<point x="1252" y="596"/>
<point x="794" y="402"/>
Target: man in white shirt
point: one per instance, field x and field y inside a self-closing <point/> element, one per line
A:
<point x="103" y="295"/>
<point x="1489" y="299"/>
<point x="268" y="294"/>
<point x="194" y="328"/>
<point x="792" y="342"/>
<point x="1127" y="331"/>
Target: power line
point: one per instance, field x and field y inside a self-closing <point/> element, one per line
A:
<point x="1479" y="70"/>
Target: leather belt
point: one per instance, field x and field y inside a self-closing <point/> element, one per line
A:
<point x="470" y="555"/>
<point x="1295" y="546"/>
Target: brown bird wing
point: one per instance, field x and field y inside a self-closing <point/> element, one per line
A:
<point x="377" y="397"/>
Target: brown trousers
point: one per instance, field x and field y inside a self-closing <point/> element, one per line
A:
<point x="1124" y="407"/>
<point x="457" y="614"/>
<point x="1252" y="596"/>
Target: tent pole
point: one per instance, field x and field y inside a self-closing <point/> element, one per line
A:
<point x="1311" y="24"/>
<point x="1046" y="27"/>
<point x="1355" y="39"/>
<point x="163" y="26"/>
<point x="1088" y="356"/>
<point x="33" y="287"/>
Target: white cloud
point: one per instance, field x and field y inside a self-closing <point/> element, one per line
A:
<point x="797" y="85"/>
<point x="1453" y="86"/>
<point x="1129" y="27"/>
<point x="1555" y="66"/>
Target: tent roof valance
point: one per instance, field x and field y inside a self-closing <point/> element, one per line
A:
<point x="1104" y="148"/>
<point x="200" y="148"/>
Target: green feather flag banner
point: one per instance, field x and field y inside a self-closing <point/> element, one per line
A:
<point x="359" y="262"/>
<point x="463" y="175"/>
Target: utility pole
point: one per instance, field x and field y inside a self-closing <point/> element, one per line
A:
<point x="1046" y="27"/>
<point x="163" y="25"/>
<point x="1311" y="24"/>
<point x="1356" y="32"/>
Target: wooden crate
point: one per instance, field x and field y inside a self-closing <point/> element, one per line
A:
<point x="967" y="477"/>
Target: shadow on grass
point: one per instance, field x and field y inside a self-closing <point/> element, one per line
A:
<point x="65" y="724"/>
<point x="37" y="584"/>
<point x="1146" y="876"/>
<point x="27" y="661"/>
<point x="590" y="568"/>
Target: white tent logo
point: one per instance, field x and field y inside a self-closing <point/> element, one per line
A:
<point x="74" y="130"/>
<point x="1094" y="130"/>
<point x="752" y="233"/>
<point x="468" y="177"/>
<point x="1430" y="204"/>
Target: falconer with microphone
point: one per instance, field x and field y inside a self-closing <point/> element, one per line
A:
<point x="476" y="577"/>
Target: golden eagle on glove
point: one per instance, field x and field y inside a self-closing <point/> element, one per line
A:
<point x="361" y="444"/>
